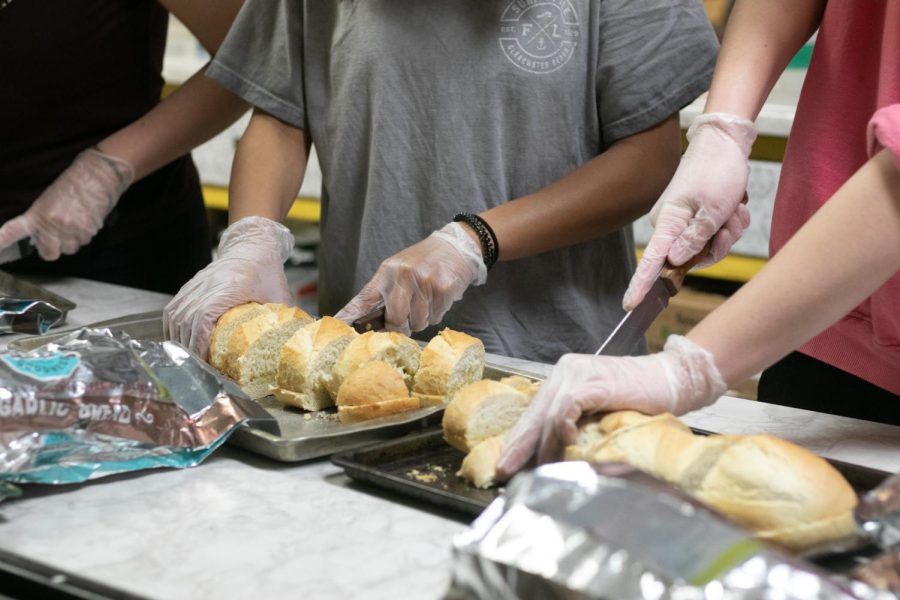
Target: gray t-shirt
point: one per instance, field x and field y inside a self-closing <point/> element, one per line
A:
<point x="422" y="109"/>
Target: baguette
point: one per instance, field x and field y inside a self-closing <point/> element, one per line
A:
<point x="779" y="491"/>
<point x="374" y="390"/>
<point x="451" y="360"/>
<point x="306" y="361"/>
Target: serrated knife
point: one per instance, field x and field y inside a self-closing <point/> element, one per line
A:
<point x="16" y="250"/>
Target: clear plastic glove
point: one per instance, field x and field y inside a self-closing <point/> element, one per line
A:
<point x="418" y="285"/>
<point x="71" y="210"/>
<point x="681" y="378"/>
<point x="702" y="202"/>
<point x="249" y="267"/>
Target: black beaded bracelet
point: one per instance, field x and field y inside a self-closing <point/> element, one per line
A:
<point x="490" y="249"/>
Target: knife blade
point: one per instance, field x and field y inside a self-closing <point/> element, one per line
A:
<point x="631" y="329"/>
<point x="17" y="250"/>
<point x="373" y="321"/>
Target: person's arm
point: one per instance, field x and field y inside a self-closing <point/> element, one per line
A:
<point x="68" y="214"/>
<point x="419" y="284"/>
<point x="835" y="261"/>
<point x="603" y="195"/>
<point x="268" y="169"/>
<point x="192" y="114"/>
<point x="760" y="39"/>
<point x="703" y="201"/>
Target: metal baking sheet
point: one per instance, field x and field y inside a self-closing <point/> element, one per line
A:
<point x="424" y="467"/>
<point x="304" y="435"/>
<point x="14" y="287"/>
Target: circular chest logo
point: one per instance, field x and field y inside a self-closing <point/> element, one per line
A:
<point x="539" y="36"/>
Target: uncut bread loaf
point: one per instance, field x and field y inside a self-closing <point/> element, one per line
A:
<point x="451" y="360"/>
<point x="257" y="364"/>
<point x="396" y="349"/>
<point x="374" y="390"/>
<point x="779" y="491"/>
<point x="306" y="363"/>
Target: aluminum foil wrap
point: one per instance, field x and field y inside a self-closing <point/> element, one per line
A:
<point x="98" y="402"/>
<point x="27" y="316"/>
<point x="575" y="530"/>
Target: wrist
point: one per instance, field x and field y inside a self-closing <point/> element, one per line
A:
<point x="259" y="231"/>
<point x="117" y="172"/>
<point x="738" y="129"/>
<point x="460" y="239"/>
<point x="693" y="377"/>
<point x="484" y="236"/>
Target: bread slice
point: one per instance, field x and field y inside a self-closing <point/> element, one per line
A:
<point x="481" y="410"/>
<point x="394" y="348"/>
<point x="374" y="390"/>
<point x="480" y="465"/>
<point x="221" y="333"/>
<point x="257" y="365"/>
<point x="451" y="360"/>
<point x="306" y="362"/>
<point x="355" y="414"/>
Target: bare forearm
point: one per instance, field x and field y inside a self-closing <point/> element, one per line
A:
<point x="268" y="169"/>
<point x="760" y="39"/>
<point x="598" y="197"/>
<point x="193" y="114"/>
<point x="842" y="255"/>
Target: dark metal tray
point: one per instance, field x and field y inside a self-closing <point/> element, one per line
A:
<point x="424" y="466"/>
<point x="14" y="287"/>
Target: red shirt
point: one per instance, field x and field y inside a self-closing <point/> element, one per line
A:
<point x="855" y="71"/>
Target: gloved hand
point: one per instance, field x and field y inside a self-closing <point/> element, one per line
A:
<point x="71" y="210"/>
<point x="249" y="267"/>
<point x="418" y="285"/>
<point x="702" y="202"/>
<point x="681" y="378"/>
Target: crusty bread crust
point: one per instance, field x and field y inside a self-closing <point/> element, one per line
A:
<point x="354" y="414"/>
<point x="450" y="360"/>
<point x="306" y="361"/>
<point x="375" y="381"/>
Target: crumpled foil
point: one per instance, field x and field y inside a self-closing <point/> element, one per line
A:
<point x="98" y="402"/>
<point x="575" y="530"/>
<point x="878" y="513"/>
<point x="27" y="316"/>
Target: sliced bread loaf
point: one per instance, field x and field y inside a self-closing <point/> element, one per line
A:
<point x="482" y="410"/>
<point x="374" y="390"/>
<point x="221" y="333"/>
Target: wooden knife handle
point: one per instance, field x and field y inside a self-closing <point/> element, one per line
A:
<point x="674" y="276"/>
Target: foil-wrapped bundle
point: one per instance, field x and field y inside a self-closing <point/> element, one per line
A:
<point x="98" y="402"/>
<point x="27" y="316"/>
<point x="575" y="530"/>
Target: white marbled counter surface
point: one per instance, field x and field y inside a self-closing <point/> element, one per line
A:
<point x="242" y="526"/>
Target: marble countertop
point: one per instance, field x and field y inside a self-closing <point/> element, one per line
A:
<point x="242" y="526"/>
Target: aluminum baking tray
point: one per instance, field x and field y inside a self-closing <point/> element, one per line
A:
<point x="14" y="287"/>
<point x="424" y="467"/>
<point x="304" y="435"/>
